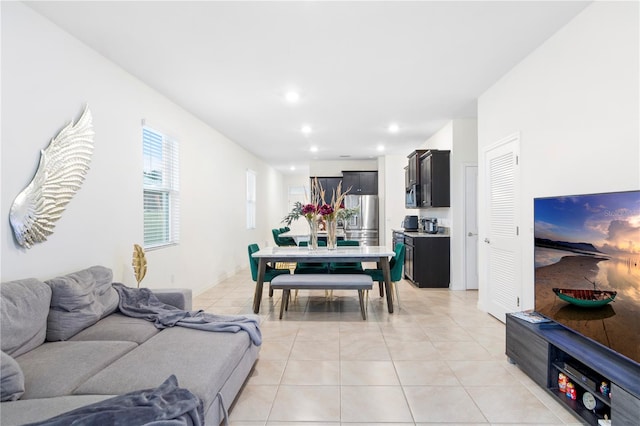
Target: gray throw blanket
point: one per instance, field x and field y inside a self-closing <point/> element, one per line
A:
<point x="142" y="303"/>
<point x="166" y="405"/>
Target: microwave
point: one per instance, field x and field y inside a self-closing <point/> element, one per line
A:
<point x="412" y="197"/>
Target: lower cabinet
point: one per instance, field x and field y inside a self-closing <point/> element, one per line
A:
<point x="426" y="261"/>
<point x="589" y="379"/>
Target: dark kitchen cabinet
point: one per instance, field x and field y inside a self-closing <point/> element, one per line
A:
<point x="426" y="261"/>
<point x="329" y="184"/>
<point x="413" y="168"/>
<point x="434" y="179"/>
<point x="398" y="237"/>
<point x="361" y="183"/>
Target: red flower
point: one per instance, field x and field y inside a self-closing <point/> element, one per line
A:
<point x="325" y="210"/>
<point x="308" y="209"/>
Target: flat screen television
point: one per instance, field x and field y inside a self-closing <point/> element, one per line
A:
<point x="591" y="243"/>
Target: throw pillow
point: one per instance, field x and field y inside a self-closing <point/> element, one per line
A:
<point x="79" y="300"/>
<point x="11" y="379"/>
<point x="24" y="306"/>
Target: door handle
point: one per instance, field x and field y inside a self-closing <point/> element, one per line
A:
<point x="471" y="234"/>
<point x="486" y="240"/>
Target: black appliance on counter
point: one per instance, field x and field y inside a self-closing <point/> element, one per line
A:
<point x="410" y="223"/>
<point x="430" y="225"/>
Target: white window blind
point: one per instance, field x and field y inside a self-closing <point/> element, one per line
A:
<point x="161" y="189"/>
<point x="251" y="199"/>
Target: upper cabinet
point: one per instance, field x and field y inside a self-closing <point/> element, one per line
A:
<point x="434" y="179"/>
<point x="361" y="183"/>
<point x="412" y="174"/>
<point x="330" y="185"/>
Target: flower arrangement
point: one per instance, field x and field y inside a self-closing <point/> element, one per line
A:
<point x="321" y="210"/>
<point x="320" y="214"/>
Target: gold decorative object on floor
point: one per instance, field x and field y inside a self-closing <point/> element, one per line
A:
<point x="139" y="263"/>
<point x="63" y="165"/>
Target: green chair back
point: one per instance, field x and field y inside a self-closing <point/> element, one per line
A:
<point x="252" y="261"/>
<point x="346" y="267"/>
<point x="269" y="272"/>
<point x="312" y="268"/>
<point x="395" y="266"/>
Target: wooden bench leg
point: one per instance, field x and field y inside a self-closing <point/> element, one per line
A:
<point x="270" y="291"/>
<point x="284" y="302"/>
<point x="362" y="304"/>
<point x="381" y="288"/>
<point x="286" y="305"/>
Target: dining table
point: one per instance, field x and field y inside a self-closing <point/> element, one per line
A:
<point x="379" y="254"/>
<point x="297" y="237"/>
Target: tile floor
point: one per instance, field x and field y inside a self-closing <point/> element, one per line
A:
<point x="436" y="360"/>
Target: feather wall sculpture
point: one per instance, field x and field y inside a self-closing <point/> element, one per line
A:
<point x="60" y="174"/>
<point x="139" y="263"/>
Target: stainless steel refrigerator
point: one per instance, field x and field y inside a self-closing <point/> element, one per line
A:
<point x="363" y="226"/>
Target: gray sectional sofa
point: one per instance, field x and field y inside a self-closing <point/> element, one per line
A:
<point x="65" y="345"/>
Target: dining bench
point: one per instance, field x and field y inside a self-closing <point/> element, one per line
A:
<point x="288" y="282"/>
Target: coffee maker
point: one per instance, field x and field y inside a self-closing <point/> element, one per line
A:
<point x="430" y="225"/>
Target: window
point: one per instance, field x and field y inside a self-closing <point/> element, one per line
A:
<point x="161" y="189"/>
<point x="251" y="199"/>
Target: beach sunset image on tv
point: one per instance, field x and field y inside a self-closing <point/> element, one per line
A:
<point x="587" y="249"/>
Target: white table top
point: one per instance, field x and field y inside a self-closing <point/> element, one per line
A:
<point x="305" y="237"/>
<point x="323" y="254"/>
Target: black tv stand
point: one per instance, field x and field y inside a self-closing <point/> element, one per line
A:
<point x="544" y="350"/>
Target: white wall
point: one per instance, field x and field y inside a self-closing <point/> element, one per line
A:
<point x="464" y="152"/>
<point x="575" y="103"/>
<point x="441" y="140"/>
<point x="299" y="226"/>
<point x="47" y="78"/>
<point x="461" y="137"/>
<point x="392" y="194"/>
<point x="325" y="168"/>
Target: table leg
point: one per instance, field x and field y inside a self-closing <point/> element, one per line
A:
<point x="257" y="297"/>
<point x="386" y="273"/>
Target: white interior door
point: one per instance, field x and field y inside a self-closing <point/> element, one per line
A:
<point x="502" y="241"/>
<point x="471" y="227"/>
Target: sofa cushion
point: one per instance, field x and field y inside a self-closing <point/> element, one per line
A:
<point x="202" y="361"/>
<point x="57" y="368"/>
<point x="36" y="410"/>
<point x="119" y="327"/>
<point x="24" y="306"/>
<point x="79" y="300"/>
<point x="11" y="379"/>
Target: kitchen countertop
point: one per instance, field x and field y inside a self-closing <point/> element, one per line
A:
<point x="421" y="234"/>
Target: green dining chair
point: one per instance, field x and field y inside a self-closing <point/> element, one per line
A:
<point x="395" y="268"/>
<point x="312" y="268"/>
<point x="346" y="267"/>
<point x="269" y="273"/>
<point x="282" y="241"/>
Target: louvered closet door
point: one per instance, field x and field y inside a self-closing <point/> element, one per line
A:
<point x="503" y="248"/>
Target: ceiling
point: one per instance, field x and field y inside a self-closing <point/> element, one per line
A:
<point x="357" y="66"/>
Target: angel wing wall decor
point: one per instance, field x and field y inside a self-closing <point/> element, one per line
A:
<point x="63" y="165"/>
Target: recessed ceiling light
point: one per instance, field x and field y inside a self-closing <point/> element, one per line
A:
<point x="314" y="148"/>
<point x="393" y="128"/>
<point x="306" y="129"/>
<point x="292" y="97"/>
<point x="292" y="168"/>
<point x="380" y="148"/>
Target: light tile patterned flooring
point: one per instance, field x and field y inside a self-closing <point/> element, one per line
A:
<point x="436" y="360"/>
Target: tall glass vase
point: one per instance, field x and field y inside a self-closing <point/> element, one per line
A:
<point x="332" y="238"/>
<point x="313" y="234"/>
